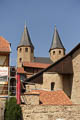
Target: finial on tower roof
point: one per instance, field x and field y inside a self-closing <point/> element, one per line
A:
<point x="25" y="24"/>
<point x="55" y="26"/>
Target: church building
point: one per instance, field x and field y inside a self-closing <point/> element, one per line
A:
<point x="60" y="71"/>
<point x="27" y="63"/>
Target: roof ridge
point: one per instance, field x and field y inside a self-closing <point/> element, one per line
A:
<point x="5" y="39"/>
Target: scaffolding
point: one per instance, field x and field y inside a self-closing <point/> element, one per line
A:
<point x="12" y="82"/>
<point x="13" y="86"/>
<point x="9" y="89"/>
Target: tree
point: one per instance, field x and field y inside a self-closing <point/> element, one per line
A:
<point x="12" y="110"/>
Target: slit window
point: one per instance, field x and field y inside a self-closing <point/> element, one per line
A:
<point x="52" y="86"/>
<point x="59" y="51"/>
<point x="20" y="49"/>
<point x="26" y="49"/>
<point x="20" y="59"/>
<point x="53" y="52"/>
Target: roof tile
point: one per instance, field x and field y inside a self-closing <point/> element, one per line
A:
<point x="4" y="45"/>
<point x="53" y="97"/>
<point x="35" y="65"/>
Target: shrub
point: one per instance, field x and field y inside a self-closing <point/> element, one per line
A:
<point x="12" y="110"/>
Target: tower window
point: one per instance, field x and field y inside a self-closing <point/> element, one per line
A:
<point x="20" y="60"/>
<point x="20" y="49"/>
<point x="52" y="86"/>
<point x="26" y="49"/>
<point x="59" y="51"/>
<point x="53" y="52"/>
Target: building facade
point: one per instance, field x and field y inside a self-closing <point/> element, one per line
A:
<point x="4" y="65"/>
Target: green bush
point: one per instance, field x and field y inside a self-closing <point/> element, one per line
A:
<point x="12" y="110"/>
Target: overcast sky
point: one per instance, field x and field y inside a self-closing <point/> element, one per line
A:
<point x="40" y="17"/>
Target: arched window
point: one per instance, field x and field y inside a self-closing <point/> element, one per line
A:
<point x="52" y="85"/>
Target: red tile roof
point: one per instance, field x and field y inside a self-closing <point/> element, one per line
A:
<point x="4" y="45"/>
<point x="21" y="70"/>
<point x="53" y="97"/>
<point x="35" y="65"/>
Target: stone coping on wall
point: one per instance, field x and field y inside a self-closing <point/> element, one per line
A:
<point x="32" y="93"/>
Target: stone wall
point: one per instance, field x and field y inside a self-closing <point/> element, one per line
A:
<point x="50" y="77"/>
<point x="41" y="112"/>
<point x="32" y="98"/>
<point x="75" y="97"/>
<point x="56" y="54"/>
<point x="62" y="82"/>
<point x="30" y="87"/>
<point x="26" y="56"/>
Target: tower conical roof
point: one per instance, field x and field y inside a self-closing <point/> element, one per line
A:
<point x="56" y="42"/>
<point x="25" y="40"/>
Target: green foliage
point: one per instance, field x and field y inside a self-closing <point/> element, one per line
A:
<point x="12" y="110"/>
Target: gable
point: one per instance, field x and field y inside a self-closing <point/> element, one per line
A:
<point x="63" y="67"/>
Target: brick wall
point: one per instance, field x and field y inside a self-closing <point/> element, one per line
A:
<point x="40" y="112"/>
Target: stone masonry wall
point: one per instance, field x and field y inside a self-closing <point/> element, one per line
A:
<point x="50" y="112"/>
<point x="30" y="87"/>
<point x="26" y="56"/>
<point x="75" y="97"/>
<point x="32" y="98"/>
<point x="48" y="78"/>
<point x="56" y="56"/>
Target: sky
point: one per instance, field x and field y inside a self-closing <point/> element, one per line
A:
<point x="40" y="16"/>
